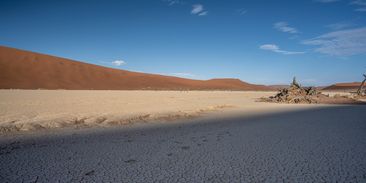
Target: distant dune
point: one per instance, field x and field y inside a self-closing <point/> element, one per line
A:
<point x="21" y="69"/>
<point x="344" y="86"/>
<point x="278" y="87"/>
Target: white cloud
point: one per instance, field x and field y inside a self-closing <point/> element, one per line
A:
<point x="118" y="62"/>
<point x="197" y="9"/>
<point x="363" y="9"/>
<point x="202" y="13"/>
<point x="269" y="47"/>
<point x="276" y="49"/>
<point x="283" y="27"/>
<point x="361" y="5"/>
<point x="173" y="2"/>
<point x="183" y="74"/>
<point x="359" y="2"/>
<point x="338" y="26"/>
<point x="242" y="11"/>
<point x="341" y="43"/>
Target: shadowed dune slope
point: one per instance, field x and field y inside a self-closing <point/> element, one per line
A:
<point x="344" y="86"/>
<point x="28" y="70"/>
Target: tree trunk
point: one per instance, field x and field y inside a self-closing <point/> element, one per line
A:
<point x="359" y="91"/>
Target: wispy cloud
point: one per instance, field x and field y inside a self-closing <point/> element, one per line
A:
<point x="362" y="9"/>
<point x="338" y="26"/>
<point x="183" y="74"/>
<point x="284" y="27"/>
<point x="241" y="11"/>
<point x="203" y="13"/>
<point x="341" y="43"/>
<point x="173" y="2"/>
<point x="276" y="49"/>
<point x="359" y="2"/>
<point x="197" y="9"/>
<point x="118" y="62"/>
<point x="326" y="1"/>
<point x="361" y="5"/>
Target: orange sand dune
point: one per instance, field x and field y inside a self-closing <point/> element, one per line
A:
<point x="344" y="86"/>
<point x="28" y="70"/>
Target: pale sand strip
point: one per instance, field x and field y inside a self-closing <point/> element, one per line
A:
<point x="28" y="110"/>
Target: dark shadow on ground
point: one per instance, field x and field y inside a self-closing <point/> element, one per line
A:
<point x="325" y="144"/>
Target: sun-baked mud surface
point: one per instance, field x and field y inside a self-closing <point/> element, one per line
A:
<point x="325" y="144"/>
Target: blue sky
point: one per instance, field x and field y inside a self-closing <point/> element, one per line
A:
<point x="266" y="42"/>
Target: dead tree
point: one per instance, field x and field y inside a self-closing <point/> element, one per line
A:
<point x="359" y="91"/>
<point x="295" y="83"/>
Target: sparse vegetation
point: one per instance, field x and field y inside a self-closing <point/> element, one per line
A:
<point x="297" y="94"/>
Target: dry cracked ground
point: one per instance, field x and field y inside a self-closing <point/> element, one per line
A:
<point x="326" y="144"/>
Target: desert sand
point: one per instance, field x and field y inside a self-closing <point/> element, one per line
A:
<point x="257" y="142"/>
<point x="34" y="110"/>
<point x="28" y="110"/>
<point x="344" y="86"/>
